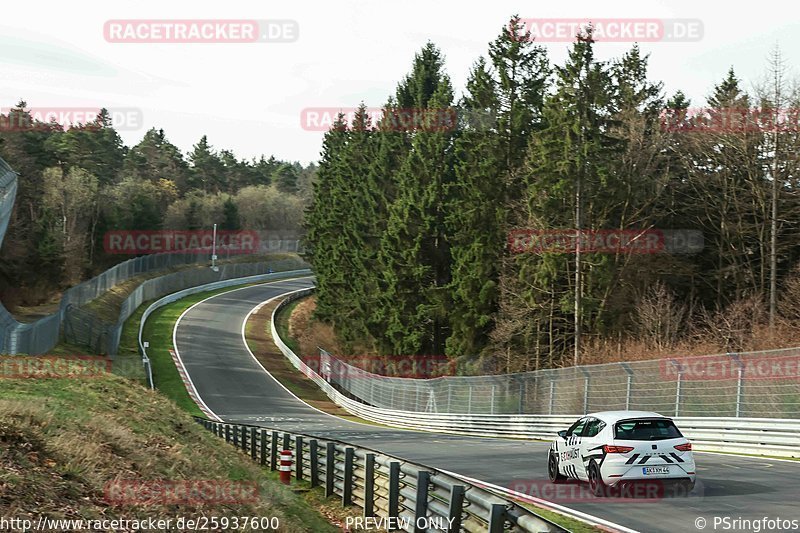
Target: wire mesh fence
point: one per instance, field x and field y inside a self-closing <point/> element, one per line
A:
<point x="752" y="384"/>
<point x="83" y="327"/>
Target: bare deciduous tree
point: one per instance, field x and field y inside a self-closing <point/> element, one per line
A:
<point x="659" y="317"/>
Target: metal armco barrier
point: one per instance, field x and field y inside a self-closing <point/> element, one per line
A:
<point x="382" y="485"/>
<point x="758" y="436"/>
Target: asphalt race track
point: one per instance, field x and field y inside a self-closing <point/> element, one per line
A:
<point x="235" y="387"/>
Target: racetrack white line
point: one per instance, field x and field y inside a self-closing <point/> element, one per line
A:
<point x="244" y="342"/>
<point x="572" y="513"/>
<point x="175" y="339"/>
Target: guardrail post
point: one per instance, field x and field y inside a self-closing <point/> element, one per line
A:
<point x="244" y="439"/>
<point x="235" y="432"/>
<point x="449" y="397"/>
<point x="273" y="451"/>
<point x="314" y="453"/>
<point x="394" y="489"/>
<point x="521" y="395"/>
<point x="678" y="381"/>
<point x="469" y="400"/>
<point x="629" y="371"/>
<point x="740" y="368"/>
<point x="227" y="433"/>
<point x="421" y="505"/>
<point x="253" y="443"/>
<point x="586" y="377"/>
<point x="456" y="507"/>
<point x="330" y="457"/>
<point x="347" y="489"/>
<point x="369" y="484"/>
<point x="497" y="518"/>
<point x="552" y="396"/>
<point x="491" y="407"/>
<point x="298" y="452"/>
<point x="287" y="441"/>
<point x="263" y="447"/>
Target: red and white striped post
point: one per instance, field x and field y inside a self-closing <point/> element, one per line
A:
<point x="286" y="467"/>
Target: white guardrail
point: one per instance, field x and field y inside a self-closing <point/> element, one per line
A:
<point x="758" y="436"/>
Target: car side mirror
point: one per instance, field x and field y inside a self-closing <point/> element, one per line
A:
<point x="563" y="433"/>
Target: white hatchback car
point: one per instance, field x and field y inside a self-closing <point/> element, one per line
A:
<point x="612" y="448"/>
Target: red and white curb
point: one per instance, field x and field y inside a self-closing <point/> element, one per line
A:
<point x="187" y="382"/>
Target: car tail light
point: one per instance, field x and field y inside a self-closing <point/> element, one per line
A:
<point x="617" y="449"/>
<point x="684" y="447"/>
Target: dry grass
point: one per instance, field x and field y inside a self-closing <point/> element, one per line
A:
<point x="259" y="339"/>
<point x="63" y="440"/>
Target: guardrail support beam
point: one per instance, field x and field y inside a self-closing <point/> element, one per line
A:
<point x="421" y="505"/>
<point x="347" y="489"/>
<point x="456" y="507"/>
<point x="273" y="451"/>
<point x="369" y="485"/>
<point x="330" y="465"/>
<point x="394" y="489"/>
<point x="263" y="447"/>
<point x="298" y="452"/>
<point x="497" y="518"/>
<point x="313" y="447"/>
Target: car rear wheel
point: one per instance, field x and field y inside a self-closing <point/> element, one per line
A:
<point x="596" y="484"/>
<point x="552" y="469"/>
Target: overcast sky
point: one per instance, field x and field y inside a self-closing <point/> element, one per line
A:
<point x="249" y="97"/>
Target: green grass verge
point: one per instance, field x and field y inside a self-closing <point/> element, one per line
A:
<point x="158" y="331"/>
<point x="571" y="524"/>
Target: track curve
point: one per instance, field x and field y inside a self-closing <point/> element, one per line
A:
<point x="208" y="339"/>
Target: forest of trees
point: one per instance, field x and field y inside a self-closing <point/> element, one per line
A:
<point x="408" y="228"/>
<point x="78" y="182"/>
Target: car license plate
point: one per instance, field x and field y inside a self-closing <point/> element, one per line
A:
<point x="649" y="470"/>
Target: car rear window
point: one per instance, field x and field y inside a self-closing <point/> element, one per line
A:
<point x="644" y="429"/>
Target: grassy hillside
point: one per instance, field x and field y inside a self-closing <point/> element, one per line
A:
<point x="63" y="440"/>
